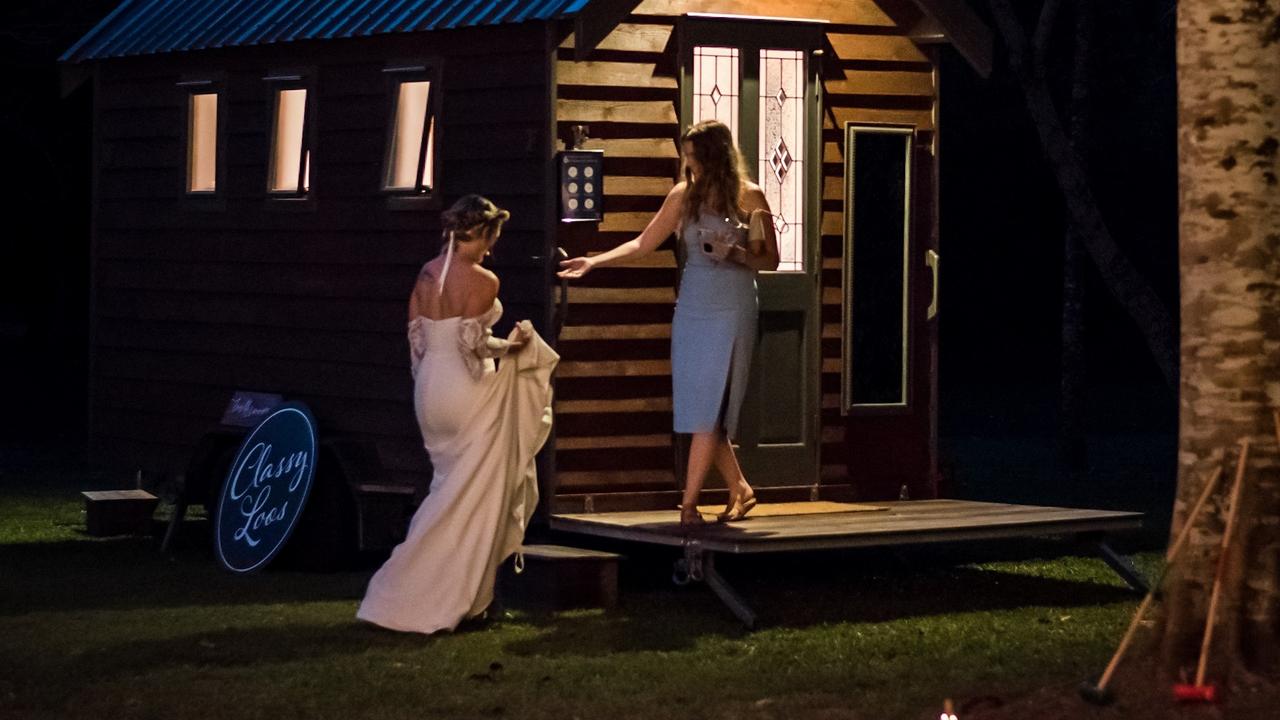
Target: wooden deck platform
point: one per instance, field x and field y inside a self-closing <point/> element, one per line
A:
<point x="899" y="523"/>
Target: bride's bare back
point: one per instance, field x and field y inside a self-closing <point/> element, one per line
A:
<point x="469" y="291"/>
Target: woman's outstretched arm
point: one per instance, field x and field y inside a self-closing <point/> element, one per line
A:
<point x="659" y="229"/>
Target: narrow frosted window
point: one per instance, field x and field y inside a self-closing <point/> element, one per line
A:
<point x="412" y="153"/>
<point x="290" y="162"/>
<point x="715" y="85"/>
<point x="202" y="150"/>
<point x="782" y="162"/>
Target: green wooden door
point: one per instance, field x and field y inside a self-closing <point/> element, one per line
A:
<point x="760" y="78"/>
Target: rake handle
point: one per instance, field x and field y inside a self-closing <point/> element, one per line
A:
<point x="1174" y="549"/>
<point x="1227" y="532"/>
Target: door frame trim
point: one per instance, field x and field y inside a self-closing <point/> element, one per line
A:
<point x="847" y="407"/>
<point x="750" y="35"/>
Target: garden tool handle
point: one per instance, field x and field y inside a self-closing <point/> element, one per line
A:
<point x="1174" y="549"/>
<point x="1185" y="533"/>
<point x="1222" y="562"/>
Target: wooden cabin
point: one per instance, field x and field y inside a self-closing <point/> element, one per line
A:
<point x="269" y="177"/>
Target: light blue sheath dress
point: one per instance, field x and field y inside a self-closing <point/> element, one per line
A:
<point x="713" y="335"/>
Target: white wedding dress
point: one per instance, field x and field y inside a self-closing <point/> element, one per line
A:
<point x="482" y="429"/>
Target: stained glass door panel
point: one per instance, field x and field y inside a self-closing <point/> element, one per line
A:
<point x="716" y="83"/>
<point x="781" y="150"/>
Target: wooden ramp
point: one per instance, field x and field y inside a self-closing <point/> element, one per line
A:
<point x="898" y="523"/>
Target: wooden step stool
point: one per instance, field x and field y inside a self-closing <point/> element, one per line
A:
<point x="382" y="514"/>
<point x="118" y="512"/>
<point x="556" y="577"/>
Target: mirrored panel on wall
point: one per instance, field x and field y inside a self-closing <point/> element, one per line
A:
<point x="876" y="328"/>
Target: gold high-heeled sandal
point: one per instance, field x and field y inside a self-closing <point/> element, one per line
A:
<point x="729" y="504"/>
<point x="738" y="511"/>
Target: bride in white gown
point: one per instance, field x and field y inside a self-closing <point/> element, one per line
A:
<point x="481" y="427"/>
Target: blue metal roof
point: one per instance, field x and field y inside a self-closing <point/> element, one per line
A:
<point x="143" y="27"/>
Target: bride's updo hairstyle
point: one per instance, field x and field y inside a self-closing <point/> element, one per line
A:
<point x="472" y="217"/>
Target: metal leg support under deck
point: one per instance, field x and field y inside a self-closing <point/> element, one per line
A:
<point x="699" y="564"/>
<point x="1125" y="569"/>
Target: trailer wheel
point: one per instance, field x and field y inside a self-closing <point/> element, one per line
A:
<point x="680" y="574"/>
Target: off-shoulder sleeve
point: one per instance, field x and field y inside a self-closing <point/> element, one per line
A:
<point x="476" y="338"/>
<point x="477" y="343"/>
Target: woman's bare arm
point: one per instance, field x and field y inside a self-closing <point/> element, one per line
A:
<point x="663" y="224"/>
<point x="415" y="297"/>
<point x="769" y="260"/>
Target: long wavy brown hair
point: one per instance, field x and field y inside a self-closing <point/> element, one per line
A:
<point x="722" y="182"/>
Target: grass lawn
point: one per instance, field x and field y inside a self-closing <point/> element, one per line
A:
<point x="110" y="628"/>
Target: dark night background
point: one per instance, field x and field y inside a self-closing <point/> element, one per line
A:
<point x="1002" y="238"/>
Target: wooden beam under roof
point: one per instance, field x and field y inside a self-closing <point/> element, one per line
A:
<point x="594" y="23"/>
<point x="953" y="21"/>
<point x="925" y="22"/>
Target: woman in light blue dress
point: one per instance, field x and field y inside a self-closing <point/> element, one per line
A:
<point x="713" y="332"/>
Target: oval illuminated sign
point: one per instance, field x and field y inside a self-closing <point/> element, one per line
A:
<point x="266" y="489"/>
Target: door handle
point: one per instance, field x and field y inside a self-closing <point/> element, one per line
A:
<point x="932" y="259"/>
<point x="562" y="306"/>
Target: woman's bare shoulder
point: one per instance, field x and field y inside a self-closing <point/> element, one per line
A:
<point x="421" y="289"/>
<point x="482" y="291"/>
<point x="753" y="197"/>
<point x="486" y="277"/>
<point x="484" y="284"/>
<point x="426" y="276"/>
<point x="430" y="270"/>
<point x="675" y="196"/>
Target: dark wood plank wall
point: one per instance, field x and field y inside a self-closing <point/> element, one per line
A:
<point x="614" y="392"/>
<point x="192" y="304"/>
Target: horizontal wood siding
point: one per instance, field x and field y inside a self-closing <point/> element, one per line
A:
<point x="192" y="303"/>
<point x="614" y="388"/>
<point x="613" y="410"/>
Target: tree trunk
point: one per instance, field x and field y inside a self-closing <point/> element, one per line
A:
<point x="1121" y="278"/>
<point x="1072" y="452"/>
<point x="1229" y="257"/>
